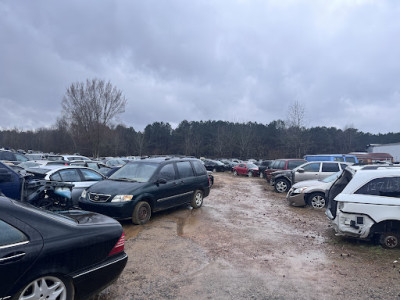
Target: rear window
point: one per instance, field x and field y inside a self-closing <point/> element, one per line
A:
<point x="185" y="169"/>
<point x="386" y="186"/>
<point x="199" y="168"/>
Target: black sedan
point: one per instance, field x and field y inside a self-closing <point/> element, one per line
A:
<point x="70" y="255"/>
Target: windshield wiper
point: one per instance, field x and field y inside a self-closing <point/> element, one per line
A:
<point x="123" y="179"/>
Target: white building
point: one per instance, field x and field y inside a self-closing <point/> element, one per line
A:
<point x="393" y="149"/>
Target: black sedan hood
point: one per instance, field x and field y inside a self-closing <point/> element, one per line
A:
<point x="115" y="187"/>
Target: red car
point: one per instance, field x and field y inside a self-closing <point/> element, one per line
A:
<point x="283" y="164"/>
<point x="248" y="169"/>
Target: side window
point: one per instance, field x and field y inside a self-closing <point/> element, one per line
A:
<point x="343" y="166"/>
<point x="329" y="167"/>
<point x="89" y="175"/>
<point x="70" y="175"/>
<point x="199" y="168"/>
<point x="6" y="155"/>
<point x="185" y="169"/>
<point x="338" y="158"/>
<point x="10" y="235"/>
<point x="294" y="163"/>
<point x="241" y="166"/>
<point x="167" y="172"/>
<point x="20" y="157"/>
<point x="313" y="167"/>
<point x="351" y="159"/>
<point x="387" y="186"/>
<point x="280" y="164"/>
<point x="56" y="177"/>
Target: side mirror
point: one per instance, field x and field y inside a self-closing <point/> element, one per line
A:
<point x="161" y="181"/>
<point x="300" y="170"/>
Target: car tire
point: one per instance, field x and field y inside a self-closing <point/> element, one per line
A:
<point x="250" y="174"/>
<point x="261" y="175"/>
<point x="214" y="170"/>
<point x="142" y="213"/>
<point x="235" y="173"/>
<point x="47" y="286"/>
<point x="281" y="185"/>
<point x="317" y="200"/>
<point x="197" y="200"/>
<point x="389" y="240"/>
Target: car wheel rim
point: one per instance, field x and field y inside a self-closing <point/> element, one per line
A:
<point x="250" y="174"/>
<point x="281" y="186"/>
<point x="234" y="173"/>
<point x="143" y="213"/>
<point x="47" y="287"/>
<point x="318" y="202"/>
<point x="199" y="199"/>
<point x="391" y="242"/>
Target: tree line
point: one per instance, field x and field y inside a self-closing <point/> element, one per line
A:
<point x="200" y="138"/>
<point x="87" y="127"/>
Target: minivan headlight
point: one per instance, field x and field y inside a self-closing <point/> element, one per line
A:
<point x="122" y="198"/>
<point x="83" y="195"/>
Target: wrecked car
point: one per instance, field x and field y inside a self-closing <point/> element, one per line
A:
<point x="20" y="185"/>
<point x="364" y="203"/>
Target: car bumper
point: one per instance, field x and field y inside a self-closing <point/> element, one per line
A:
<point x="96" y="278"/>
<point x="295" y="199"/>
<point x="116" y="210"/>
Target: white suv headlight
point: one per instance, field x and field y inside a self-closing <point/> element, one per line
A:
<point x="122" y="198"/>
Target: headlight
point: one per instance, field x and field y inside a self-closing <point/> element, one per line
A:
<point x="83" y="195"/>
<point x="122" y="198"/>
<point x="299" y="190"/>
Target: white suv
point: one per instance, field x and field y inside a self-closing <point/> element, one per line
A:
<point x="364" y="202"/>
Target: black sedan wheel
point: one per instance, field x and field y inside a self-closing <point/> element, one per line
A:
<point x="47" y="287"/>
<point x="282" y="185"/>
<point x="141" y="213"/>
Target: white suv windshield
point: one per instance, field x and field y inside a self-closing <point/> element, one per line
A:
<point x="140" y="172"/>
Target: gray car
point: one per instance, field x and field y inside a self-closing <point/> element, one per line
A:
<point x="311" y="192"/>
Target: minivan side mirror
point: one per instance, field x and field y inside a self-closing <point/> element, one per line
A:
<point x="161" y="181"/>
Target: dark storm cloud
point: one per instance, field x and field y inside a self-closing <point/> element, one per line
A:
<point x="223" y="60"/>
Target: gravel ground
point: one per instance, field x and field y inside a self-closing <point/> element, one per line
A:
<point x="247" y="243"/>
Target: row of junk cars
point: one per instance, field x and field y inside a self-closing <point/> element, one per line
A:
<point x="60" y="238"/>
<point x="59" y="234"/>
<point x="360" y="192"/>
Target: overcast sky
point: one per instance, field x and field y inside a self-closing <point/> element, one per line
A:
<point x="231" y="60"/>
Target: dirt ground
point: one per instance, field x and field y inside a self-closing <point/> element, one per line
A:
<point x="245" y="242"/>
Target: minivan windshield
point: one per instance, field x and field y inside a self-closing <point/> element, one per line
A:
<point x="135" y="171"/>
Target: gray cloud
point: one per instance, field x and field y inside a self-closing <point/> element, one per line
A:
<point x="205" y="60"/>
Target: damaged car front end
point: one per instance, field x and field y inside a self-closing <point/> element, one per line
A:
<point x="20" y="185"/>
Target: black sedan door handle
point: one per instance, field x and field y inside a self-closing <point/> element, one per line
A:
<point x="12" y="257"/>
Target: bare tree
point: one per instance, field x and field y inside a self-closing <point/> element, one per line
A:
<point x="90" y="107"/>
<point x="295" y="129"/>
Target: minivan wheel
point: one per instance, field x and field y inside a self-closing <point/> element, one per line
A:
<point x="142" y="213"/>
<point x="282" y="185"/>
<point x="317" y="200"/>
<point x="389" y="240"/>
<point x="197" y="200"/>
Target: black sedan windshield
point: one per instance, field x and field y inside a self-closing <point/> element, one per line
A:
<point x="140" y="172"/>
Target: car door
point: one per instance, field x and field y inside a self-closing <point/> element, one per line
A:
<point x="167" y="187"/>
<point x="20" y="245"/>
<point x="328" y="168"/>
<point x="187" y="181"/>
<point x="241" y="169"/>
<point x="308" y="172"/>
<point x="70" y="175"/>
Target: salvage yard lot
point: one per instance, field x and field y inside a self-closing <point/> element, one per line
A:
<point x="246" y="243"/>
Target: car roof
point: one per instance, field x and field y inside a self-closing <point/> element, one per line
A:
<point x="47" y="168"/>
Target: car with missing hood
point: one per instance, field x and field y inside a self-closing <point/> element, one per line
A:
<point x="311" y="192"/>
<point x="145" y="186"/>
<point x="246" y="169"/>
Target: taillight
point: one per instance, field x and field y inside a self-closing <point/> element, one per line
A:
<point x="119" y="246"/>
